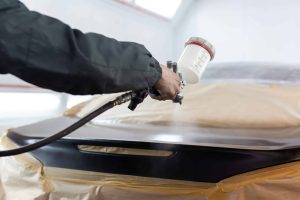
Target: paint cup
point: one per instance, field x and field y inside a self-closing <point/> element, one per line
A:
<point x="194" y="59"/>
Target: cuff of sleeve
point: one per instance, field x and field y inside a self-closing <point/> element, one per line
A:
<point x="157" y="72"/>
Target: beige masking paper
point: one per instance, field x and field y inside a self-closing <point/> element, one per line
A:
<point x="209" y="105"/>
<point x="24" y="177"/>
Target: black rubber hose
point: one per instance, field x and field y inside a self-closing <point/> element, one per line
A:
<point x="118" y="101"/>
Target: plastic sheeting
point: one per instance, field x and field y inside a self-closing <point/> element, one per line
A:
<point x="23" y="177"/>
<point x="253" y="73"/>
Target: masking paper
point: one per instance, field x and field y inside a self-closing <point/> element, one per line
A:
<point x="24" y="177"/>
<point x="226" y="105"/>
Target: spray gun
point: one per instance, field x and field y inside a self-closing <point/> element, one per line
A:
<point x="191" y="65"/>
<point x="139" y="96"/>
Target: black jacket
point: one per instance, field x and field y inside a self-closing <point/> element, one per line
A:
<point x="48" y="53"/>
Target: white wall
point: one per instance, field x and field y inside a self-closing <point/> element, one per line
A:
<point x="111" y="19"/>
<point x="245" y="30"/>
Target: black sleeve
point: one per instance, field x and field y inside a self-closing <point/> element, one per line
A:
<point x="48" y="53"/>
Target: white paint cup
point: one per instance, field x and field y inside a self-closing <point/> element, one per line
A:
<point x="194" y="59"/>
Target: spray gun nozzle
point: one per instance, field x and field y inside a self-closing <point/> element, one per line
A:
<point x="174" y="67"/>
<point x="169" y="64"/>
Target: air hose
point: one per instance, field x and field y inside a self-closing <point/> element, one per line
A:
<point x="136" y="97"/>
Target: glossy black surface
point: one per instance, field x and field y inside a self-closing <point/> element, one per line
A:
<point x="193" y="163"/>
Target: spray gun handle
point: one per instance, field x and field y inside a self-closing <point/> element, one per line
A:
<point x="137" y="97"/>
<point x="153" y="92"/>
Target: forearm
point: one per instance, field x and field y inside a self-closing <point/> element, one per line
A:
<point x="48" y="53"/>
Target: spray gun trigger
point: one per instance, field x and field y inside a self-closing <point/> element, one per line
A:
<point x="153" y="92"/>
<point x="137" y="97"/>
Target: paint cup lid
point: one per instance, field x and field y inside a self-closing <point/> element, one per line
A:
<point x="204" y="44"/>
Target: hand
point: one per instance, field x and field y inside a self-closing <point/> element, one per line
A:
<point x="168" y="86"/>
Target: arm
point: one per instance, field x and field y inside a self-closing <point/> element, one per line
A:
<point x="48" y="53"/>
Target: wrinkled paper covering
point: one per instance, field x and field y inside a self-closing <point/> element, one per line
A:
<point x="230" y="95"/>
<point x="24" y="177"/>
<point x="225" y="105"/>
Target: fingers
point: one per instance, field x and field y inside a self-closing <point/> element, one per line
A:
<point x="177" y="79"/>
<point x="168" y="86"/>
<point x="168" y="93"/>
<point x="170" y="96"/>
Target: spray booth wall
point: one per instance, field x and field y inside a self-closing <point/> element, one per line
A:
<point x="111" y="19"/>
<point x="245" y="30"/>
